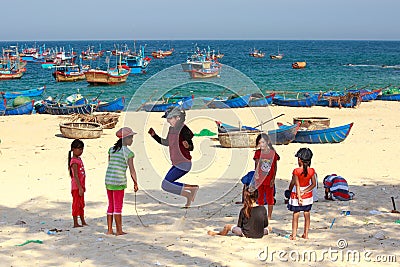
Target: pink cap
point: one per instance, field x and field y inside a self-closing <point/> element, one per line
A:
<point x="124" y="132"/>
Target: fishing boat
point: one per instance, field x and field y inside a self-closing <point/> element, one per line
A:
<point x="390" y="95"/>
<point x="323" y="136"/>
<point x="299" y="65"/>
<point x="201" y="68"/>
<point x="57" y="109"/>
<point x="3" y="105"/>
<point x="81" y="130"/>
<point x="227" y="102"/>
<point x="257" y="53"/>
<point x="107" y="77"/>
<point x="137" y="62"/>
<point x="366" y="95"/>
<point x="245" y="136"/>
<point x="184" y="102"/>
<point x="306" y="101"/>
<point x="29" y="93"/>
<point x="260" y="100"/>
<point x="340" y="99"/>
<point x="162" y="54"/>
<point x="68" y="73"/>
<point x="23" y="109"/>
<point x="116" y="105"/>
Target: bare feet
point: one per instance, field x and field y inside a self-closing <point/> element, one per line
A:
<point x="267" y="230"/>
<point x="109" y="232"/>
<point x="194" y="192"/>
<point x="292" y="237"/>
<point x="85" y="224"/>
<point x="121" y="233"/>
<point x="212" y="233"/>
<point x="305" y="236"/>
<point x="77" y="225"/>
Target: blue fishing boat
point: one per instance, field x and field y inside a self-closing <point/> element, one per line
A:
<point x="367" y="95"/>
<point x="29" y="93"/>
<point x="390" y="95"/>
<point x="227" y="102"/>
<point x="24" y="109"/>
<point x="116" y="105"/>
<point x="138" y="63"/>
<point x="57" y="109"/>
<point x="340" y="99"/>
<point x="184" y="102"/>
<point x="259" y="100"/>
<point x="2" y="107"/>
<point x="323" y="136"/>
<point x="280" y="136"/>
<point x="307" y="101"/>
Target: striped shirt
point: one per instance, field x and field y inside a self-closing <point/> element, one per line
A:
<point x="338" y="187"/>
<point x="116" y="170"/>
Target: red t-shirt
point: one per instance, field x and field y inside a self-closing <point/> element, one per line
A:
<point x="81" y="173"/>
<point x="267" y="165"/>
<point x="304" y="180"/>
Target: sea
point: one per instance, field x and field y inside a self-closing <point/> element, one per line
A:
<point x="331" y="65"/>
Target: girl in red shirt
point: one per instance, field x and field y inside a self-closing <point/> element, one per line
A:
<point x="301" y="186"/>
<point x="77" y="173"/>
<point x="265" y="159"/>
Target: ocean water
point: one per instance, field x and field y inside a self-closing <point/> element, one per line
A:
<point x="331" y="65"/>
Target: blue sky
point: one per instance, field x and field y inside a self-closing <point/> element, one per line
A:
<point x="201" y="19"/>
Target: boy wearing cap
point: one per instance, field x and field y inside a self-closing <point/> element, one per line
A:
<point x="179" y="141"/>
<point x="120" y="157"/>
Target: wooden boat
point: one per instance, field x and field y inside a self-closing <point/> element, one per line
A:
<point x="184" y="102"/>
<point x="7" y="74"/>
<point x="202" y="68"/>
<point x="246" y="136"/>
<point x="340" y="99"/>
<point x="299" y="65"/>
<point x="390" y="95"/>
<point x="107" y="120"/>
<point x="227" y="102"/>
<point x="24" y="109"/>
<point x="30" y="93"/>
<point x="259" y="100"/>
<point x="312" y="123"/>
<point x="81" y="130"/>
<point x="366" y="95"/>
<point x="162" y="54"/>
<point x="116" y="105"/>
<point x="323" y="136"/>
<point x="57" y="109"/>
<point x="68" y="73"/>
<point x="307" y="101"/>
<point x="204" y="73"/>
<point x="137" y="62"/>
<point x="257" y="53"/>
<point x="277" y="56"/>
<point x="108" y="77"/>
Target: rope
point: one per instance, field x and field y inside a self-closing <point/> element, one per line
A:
<point x="224" y="205"/>
<point x="137" y="214"/>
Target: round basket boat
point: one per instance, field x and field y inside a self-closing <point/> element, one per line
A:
<point x="238" y="139"/>
<point x="313" y="123"/>
<point x="81" y="130"/>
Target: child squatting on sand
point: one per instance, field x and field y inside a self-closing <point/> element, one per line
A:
<point x="77" y="173"/>
<point x="179" y="141"/>
<point x="253" y="219"/>
<point x="301" y="186"/>
<point x="120" y="157"/>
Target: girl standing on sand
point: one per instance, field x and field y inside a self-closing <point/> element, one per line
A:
<point x="78" y="177"/>
<point x="120" y="157"/>
<point x="301" y="186"/>
<point x="179" y="141"/>
<point x="265" y="159"/>
<point x="253" y="219"/>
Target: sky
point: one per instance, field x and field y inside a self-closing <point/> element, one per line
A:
<point x="24" y="20"/>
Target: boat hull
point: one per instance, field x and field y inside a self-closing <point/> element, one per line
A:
<point x="68" y="110"/>
<point x="185" y="103"/>
<point x="303" y="102"/>
<point x="24" y="109"/>
<point x="71" y="77"/>
<point x="30" y="93"/>
<point x="389" y="97"/>
<point x="329" y="135"/>
<point x="116" y="105"/>
<point x="238" y="102"/>
<point x="99" y="77"/>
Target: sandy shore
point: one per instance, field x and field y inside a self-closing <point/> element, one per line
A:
<point x="35" y="189"/>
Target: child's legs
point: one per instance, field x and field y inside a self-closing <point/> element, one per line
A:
<point x="295" y="222"/>
<point x="115" y="201"/>
<point x="307" y="222"/>
<point x="169" y="184"/>
<point x="261" y="193"/>
<point x="78" y="203"/>
<point x="269" y="193"/>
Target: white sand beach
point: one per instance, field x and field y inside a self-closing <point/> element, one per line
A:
<point x="35" y="194"/>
